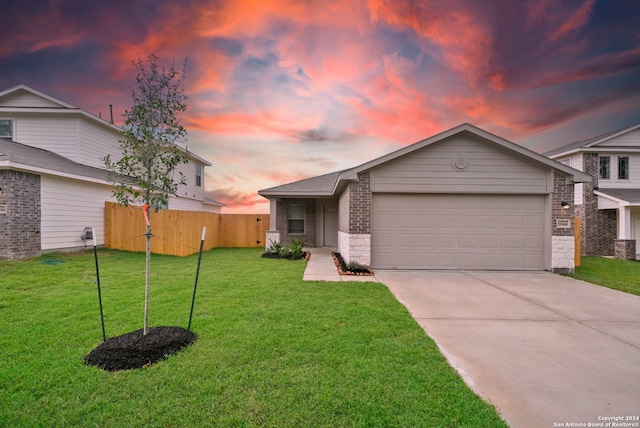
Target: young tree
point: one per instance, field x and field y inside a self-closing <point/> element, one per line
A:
<point x="145" y="175"/>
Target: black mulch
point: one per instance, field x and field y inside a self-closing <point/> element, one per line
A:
<point x="343" y="268"/>
<point x="135" y="350"/>
<point x="268" y="255"/>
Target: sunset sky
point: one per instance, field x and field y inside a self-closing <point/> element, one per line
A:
<point x="284" y="90"/>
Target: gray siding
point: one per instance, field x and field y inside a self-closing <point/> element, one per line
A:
<point x="432" y="170"/>
<point x="27" y="99"/>
<point x="95" y="142"/>
<point x="56" y="134"/>
<point x="630" y="139"/>
<point x="68" y="206"/>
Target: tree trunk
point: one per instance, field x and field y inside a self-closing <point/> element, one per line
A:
<point x="147" y="282"/>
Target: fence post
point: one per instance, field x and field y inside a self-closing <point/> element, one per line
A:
<point x="576" y="243"/>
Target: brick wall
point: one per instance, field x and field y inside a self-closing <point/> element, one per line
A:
<point x="600" y="226"/>
<point x="282" y="216"/>
<point x="360" y="204"/>
<point x="562" y="192"/>
<point x="20" y="225"/>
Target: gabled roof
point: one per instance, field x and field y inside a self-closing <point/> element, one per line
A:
<point x="54" y="105"/>
<point x="322" y="185"/>
<point x="14" y="155"/>
<point x="591" y="143"/>
<point x="57" y="106"/>
<point x="17" y="89"/>
<point x="328" y="184"/>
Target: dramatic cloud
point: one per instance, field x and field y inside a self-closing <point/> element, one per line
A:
<point x="283" y="90"/>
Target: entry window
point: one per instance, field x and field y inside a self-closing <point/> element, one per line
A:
<point x="605" y="167"/>
<point x="198" y="175"/>
<point x="296" y="218"/>
<point x="623" y="167"/>
<point x="6" y="128"/>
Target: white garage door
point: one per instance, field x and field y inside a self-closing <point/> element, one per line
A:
<point x="483" y="232"/>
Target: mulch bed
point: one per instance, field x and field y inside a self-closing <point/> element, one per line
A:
<point x="267" y="255"/>
<point x="135" y="350"/>
<point x="343" y="268"/>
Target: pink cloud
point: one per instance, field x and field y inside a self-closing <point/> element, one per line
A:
<point x="576" y="19"/>
<point x="283" y="90"/>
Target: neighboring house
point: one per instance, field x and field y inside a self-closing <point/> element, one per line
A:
<point x="608" y="206"/>
<point x="462" y="199"/>
<point x="52" y="178"/>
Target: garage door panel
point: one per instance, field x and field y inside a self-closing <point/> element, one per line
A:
<point x="510" y="243"/>
<point x="533" y="244"/>
<point x="468" y="241"/>
<point x="470" y="222"/>
<point x="498" y="232"/>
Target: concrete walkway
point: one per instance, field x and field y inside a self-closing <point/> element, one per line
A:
<point x="545" y="350"/>
<point x="321" y="267"/>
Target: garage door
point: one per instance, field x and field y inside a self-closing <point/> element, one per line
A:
<point x="483" y="232"/>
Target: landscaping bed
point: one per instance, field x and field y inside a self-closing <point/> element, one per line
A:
<point x="345" y="268"/>
<point x="306" y="255"/>
<point x="292" y="251"/>
<point x="135" y="350"/>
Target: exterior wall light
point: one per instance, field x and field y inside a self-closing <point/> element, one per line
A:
<point x="564" y="205"/>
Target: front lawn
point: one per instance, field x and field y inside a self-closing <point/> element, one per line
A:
<point x="623" y="275"/>
<point x="272" y="350"/>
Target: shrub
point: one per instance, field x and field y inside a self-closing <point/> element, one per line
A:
<point x="295" y="249"/>
<point x="274" y="248"/>
<point x="292" y="251"/>
<point x="355" y="266"/>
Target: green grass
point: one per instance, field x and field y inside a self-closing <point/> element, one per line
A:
<point x="272" y="350"/>
<point x="623" y="275"/>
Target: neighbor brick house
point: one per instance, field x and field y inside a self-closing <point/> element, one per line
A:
<point x="52" y="178"/>
<point x="609" y="205"/>
<point x="462" y="199"/>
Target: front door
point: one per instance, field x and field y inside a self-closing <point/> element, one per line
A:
<point x="330" y="223"/>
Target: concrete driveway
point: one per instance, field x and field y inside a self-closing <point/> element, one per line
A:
<point x="545" y="350"/>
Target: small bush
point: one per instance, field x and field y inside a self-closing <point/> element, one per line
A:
<point x="355" y="266"/>
<point x="274" y="248"/>
<point x="292" y="251"/>
<point x="295" y="249"/>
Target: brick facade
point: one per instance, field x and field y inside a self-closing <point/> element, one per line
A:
<point x="625" y="249"/>
<point x="562" y="192"/>
<point x="598" y="227"/>
<point x="20" y="225"/>
<point x="562" y="241"/>
<point x="360" y="204"/>
<point x="282" y="224"/>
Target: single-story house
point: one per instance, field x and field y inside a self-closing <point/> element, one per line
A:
<point x="609" y="206"/>
<point x="462" y="199"/>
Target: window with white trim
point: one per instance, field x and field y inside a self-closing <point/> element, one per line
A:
<point x="623" y="167"/>
<point x="295" y="218"/>
<point x="6" y="128"/>
<point x="198" y="175"/>
<point x="605" y="167"/>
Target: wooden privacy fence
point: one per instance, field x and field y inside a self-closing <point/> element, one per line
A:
<point x="178" y="233"/>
